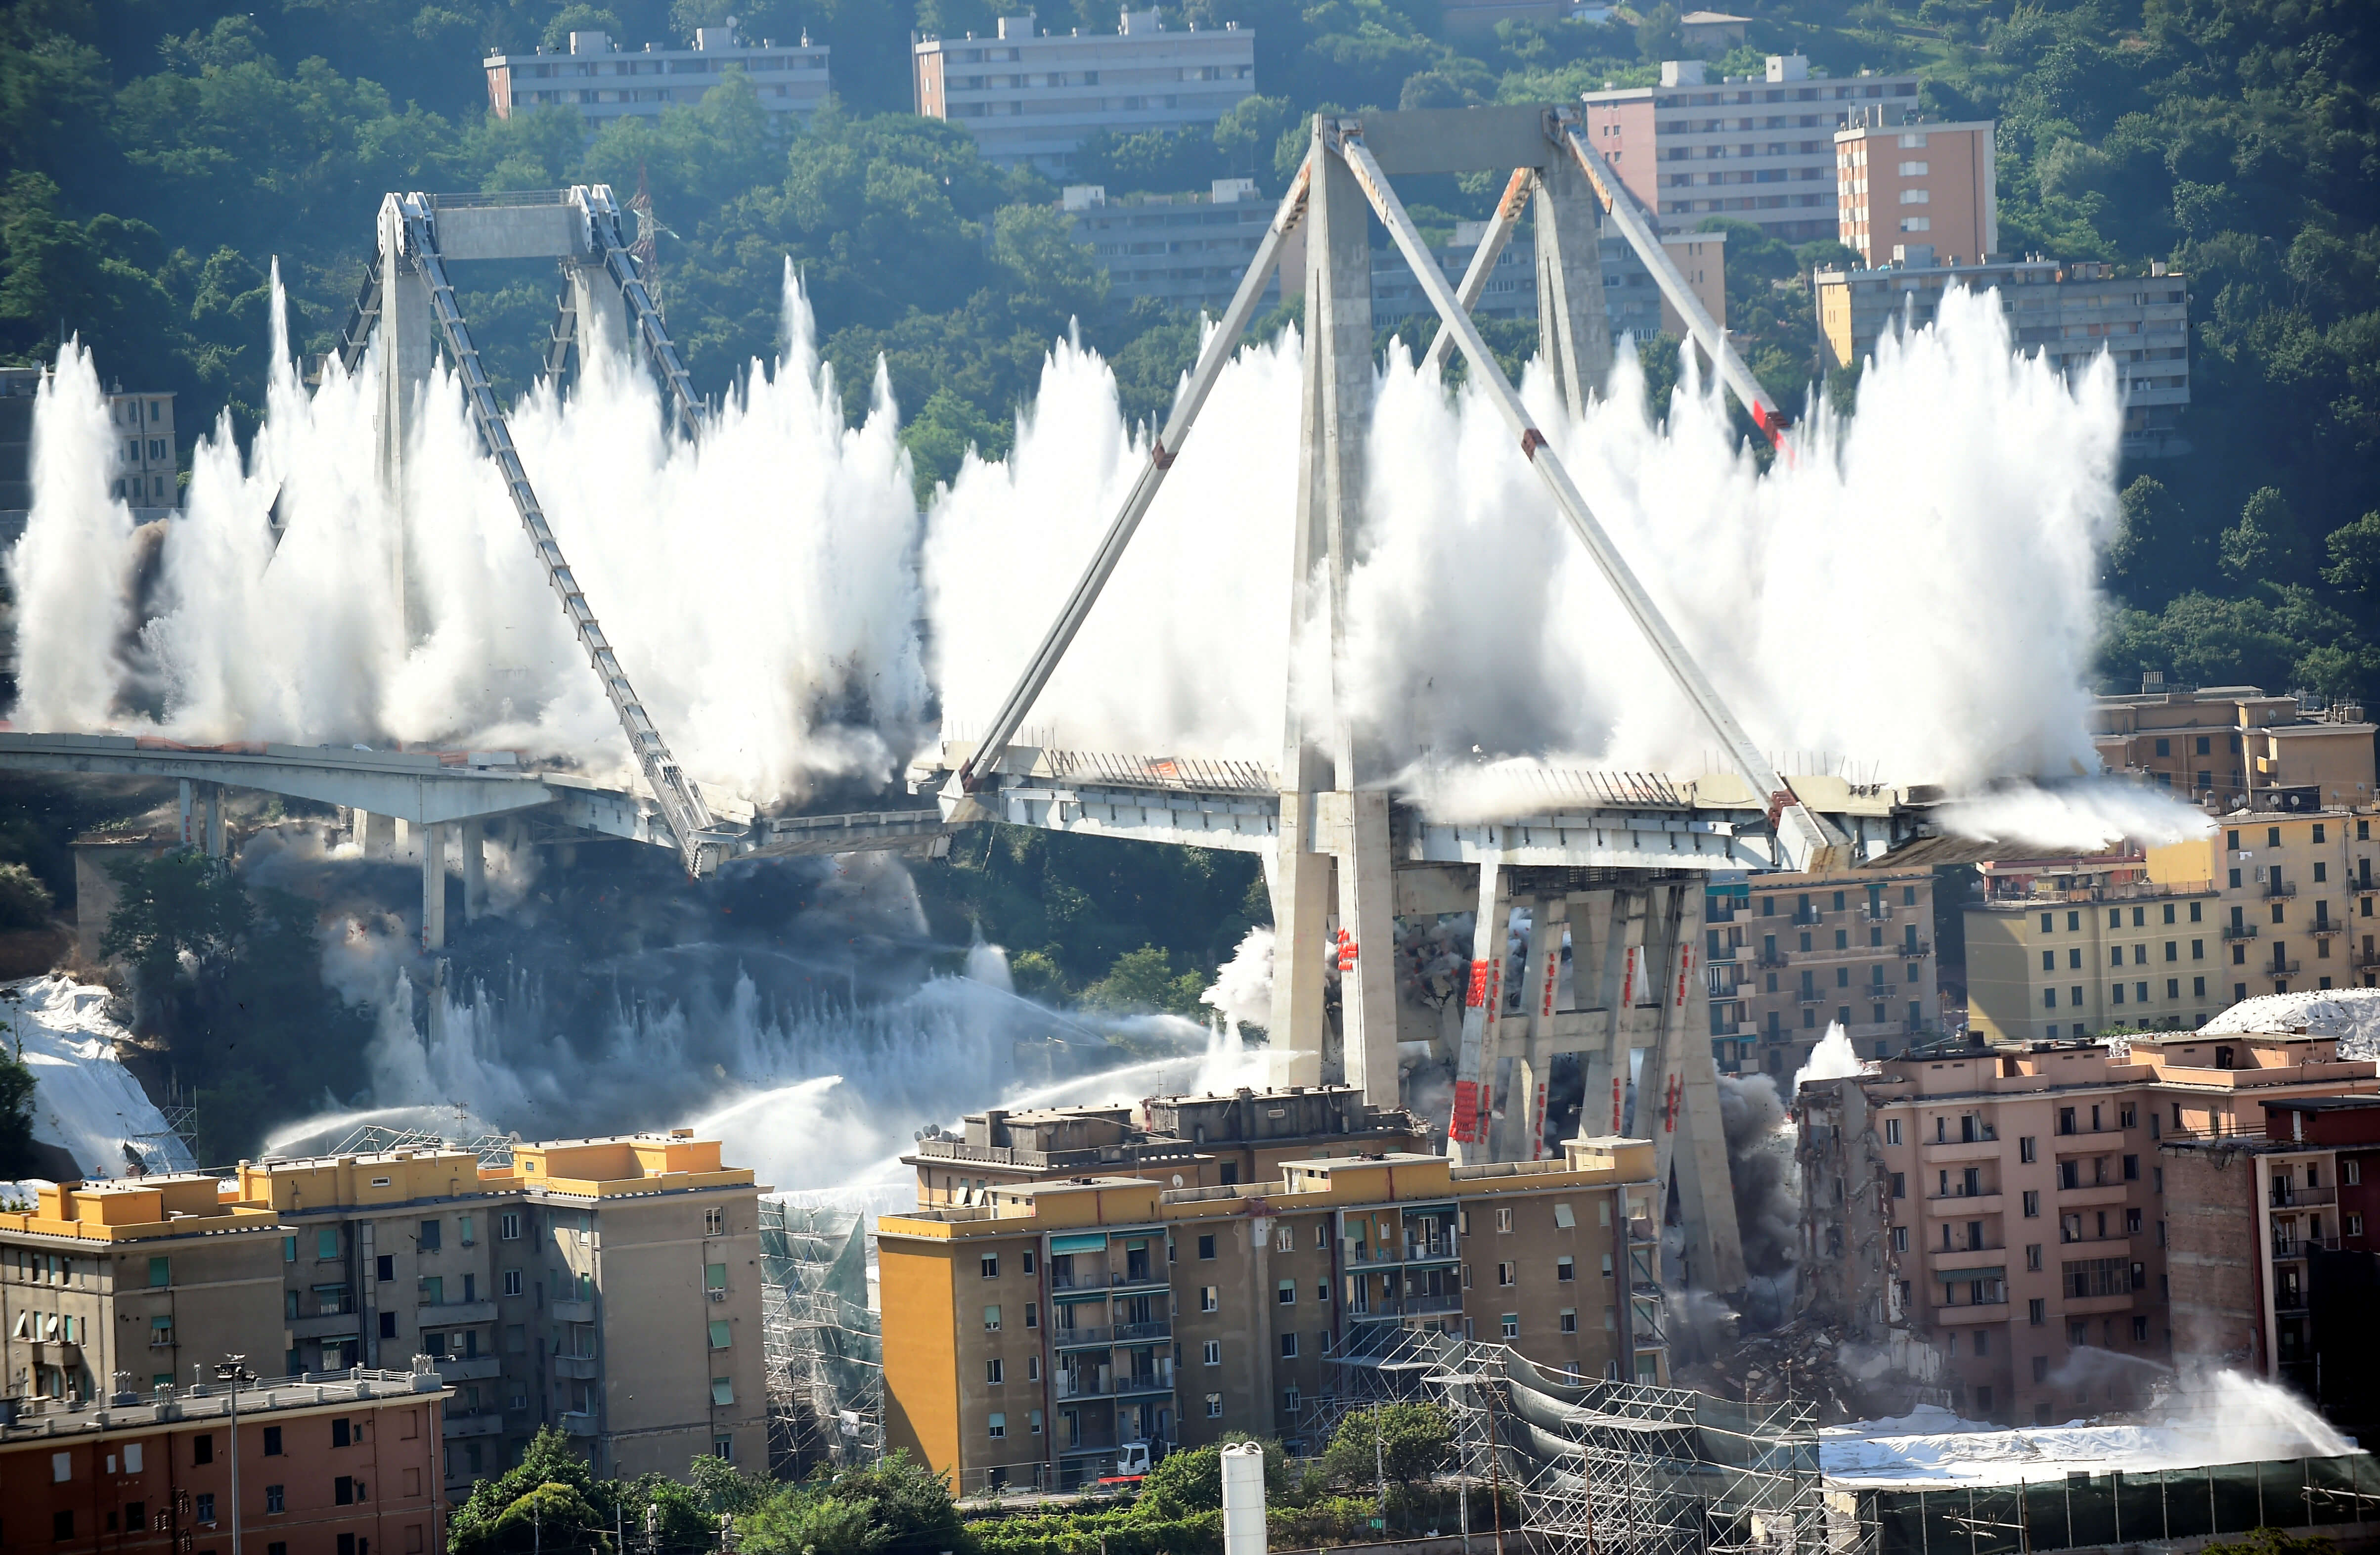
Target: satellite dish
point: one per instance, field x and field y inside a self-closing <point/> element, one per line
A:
<point x="1177" y="1179"/>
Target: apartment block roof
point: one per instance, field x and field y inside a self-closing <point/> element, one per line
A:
<point x="139" y="1209"/>
<point x="624" y="1164"/>
<point x="49" y="1423"/>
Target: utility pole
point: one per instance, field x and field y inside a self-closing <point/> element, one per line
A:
<point x="1379" y="1474"/>
<point x="234" y="1370"/>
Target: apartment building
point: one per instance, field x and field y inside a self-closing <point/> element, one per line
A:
<point x="393" y="1256"/>
<point x="1030" y="96"/>
<point x="2009" y="1206"/>
<point x="343" y="1463"/>
<point x="2067" y="312"/>
<point x="642" y="1260"/>
<point x="144" y="1280"/>
<point x="2064" y="947"/>
<point x="1183" y="249"/>
<point x="1911" y="183"/>
<point x="1632" y="301"/>
<point x="1183" y="1141"/>
<point x="1027" y="1336"/>
<point x="2233" y="747"/>
<point x="1788" y="955"/>
<point x="2293" y="898"/>
<point x="1761" y="152"/>
<point x="606" y="83"/>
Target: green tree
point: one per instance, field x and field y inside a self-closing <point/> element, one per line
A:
<point x="908" y="1503"/>
<point x="1190" y="1481"/>
<point x="2256" y="546"/>
<point x="16" y="1117"/>
<point x="24" y="900"/>
<point x="547" y="1463"/>
<point x="798" y="1521"/>
<point x="1657" y="35"/>
<point x="2355" y="556"/>
<point x="1144" y="980"/>
<point x="1412" y="1442"/>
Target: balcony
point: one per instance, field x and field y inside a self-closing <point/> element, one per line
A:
<point x="1437" y="1250"/>
<point x="1806" y="917"/>
<point x="1433" y="1306"/>
<point x="1876" y="912"/>
<point x="2274" y="891"/>
<point x="2323" y="927"/>
<point x="2279" y="968"/>
<point x="1948" y="1153"/>
<point x="1915" y="950"/>
<point x="2364" y="961"/>
<point x="2285" y="1196"/>
<point x="2238" y="932"/>
<point x="1083" y="1336"/>
<point x="1770" y="958"/>
<point x="1136" y="1382"/>
<point x="1971" y="1312"/>
<point x="571" y="1311"/>
<point x="1066" y="1389"/>
<point x="1143" y="1333"/>
<point x="584" y="1368"/>
<point x="2100" y="1306"/>
<point x="2086" y="1195"/>
<point x="580" y="1423"/>
<point x="460" y="1424"/>
<point x="1954" y="1204"/>
<point x="324" y="1325"/>
<point x="2303" y="1246"/>
<point x="447" y="1313"/>
<point x="474" y="1368"/>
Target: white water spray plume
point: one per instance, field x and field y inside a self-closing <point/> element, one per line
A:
<point x="1914" y="588"/>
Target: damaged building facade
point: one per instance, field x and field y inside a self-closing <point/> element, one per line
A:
<point x="2007" y="1207"/>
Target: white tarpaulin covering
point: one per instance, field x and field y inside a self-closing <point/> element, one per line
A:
<point x="2238" y="1420"/>
<point x="84" y="1099"/>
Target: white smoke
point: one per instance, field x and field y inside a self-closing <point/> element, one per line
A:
<point x="757" y="584"/>
<point x="1241" y="993"/>
<point x="1833" y="1059"/>
<point x="2080" y="817"/>
<point x="1475" y="620"/>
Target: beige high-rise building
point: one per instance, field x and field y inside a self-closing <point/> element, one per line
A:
<point x="2066" y="947"/>
<point x="1029" y="1335"/>
<point x="2294" y="899"/>
<point x="2233" y="745"/>
<point x="1902" y="185"/>
<point x="2008" y="1206"/>
<point x="142" y="1280"/>
<point x="1795" y="953"/>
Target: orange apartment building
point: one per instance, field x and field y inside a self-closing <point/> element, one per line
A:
<point x="1030" y="1334"/>
<point x="327" y="1466"/>
<point x="2009" y="1206"/>
<point x="1914" y="186"/>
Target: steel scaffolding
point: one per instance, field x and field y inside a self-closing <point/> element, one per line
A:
<point x="823" y="1348"/>
<point x="1604" y="1468"/>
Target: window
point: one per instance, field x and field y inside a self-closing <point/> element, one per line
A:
<point x="272" y="1441"/>
<point x="273" y="1499"/>
<point x="995" y="1372"/>
<point x="1209" y="1297"/>
<point x="720" y="1335"/>
<point x="202" y="1448"/>
<point x="1032" y="1313"/>
<point x="1565" y="1270"/>
<point x="1570" y="1320"/>
<point x="722" y="1391"/>
<point x="429" y="1240"/>
<point x="344" y="1434"/>
<point x="991" y="1319"/>
<point x="1892" y="1131"/>
<point x="1289" y="1347"/>
<point x="1206" y="1250"/>
<point x="343" y="1490"/>
<point x="2036" y="1312"/>
<point x="508" y="1225"/>
<point x="2354" y="1222"/>
<point x="1512" y="1325"/>
<point x="384" y="1267"/>
<point x="990" y="1263"/>
<point x="2031" y="1203"/>
<point x="714" y="1277"/>
<point x="2032" y="1256"/>
<point x="714" y="1220"/>
<point x="161" y="1273"/>
<point x="1027" y="1256"/>
<point x="1900" y="1239"/>
<point x="206" y="1507"/>
<point x="1214" y="1406"/>
<point x="995" y="1423"/>
<point x="512" y="1286"/>
<point x="1504" y="1219"/>
<point x="1212" y="1353"/>
<point x="2351" y="1172"/>
<point x="1504" y="1274"/>
<point x="1287" y="1295"/>
<point x="2027" y="1149"/>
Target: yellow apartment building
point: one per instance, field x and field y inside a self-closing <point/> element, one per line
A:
<point x="2009" y="1206"/>
<point x="147" y="1278"/>
<point x="2064" y="947"/>
<point x="1029" y="1335"/>
<point x="2293" y="896"/>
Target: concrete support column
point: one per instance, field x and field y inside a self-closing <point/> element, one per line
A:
<point x="189" y="827"/>
<point x="434" y="887"/>
<point x="1366" y="949"/>
<point x="475" y="872"/>
<point x="602" y="312"/>
<point x="215" y="842"/>
<point x="406" y="355"/>
<point x="376" y="834"/>
<point x="1469" y="1136"/>
<point x="1689" y="1143"/>
<point x="1539" y="988"/>
<point x="1317" y="754"/>
<point x="1573" y="332"/>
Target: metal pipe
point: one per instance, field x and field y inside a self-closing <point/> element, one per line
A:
<point x="1808" y="841"/>
<point x="1217" y="351"/>
<point x="1492" y="244"/>
<point x="1621" y="205"/>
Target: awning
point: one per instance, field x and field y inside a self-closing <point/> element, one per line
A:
<point x="1961" y="1276"/>
<point x="1083" y="1242"/>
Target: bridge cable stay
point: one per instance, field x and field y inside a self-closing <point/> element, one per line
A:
<point x="1220" y="344"/>
<point x="1492" y="244"/>
<point x="362" y="314"/>
<point x="1621" y="203"/>
<point x="603" y="220"/>
<point x="1808" y="838"/>
<point x="701" y="842"/>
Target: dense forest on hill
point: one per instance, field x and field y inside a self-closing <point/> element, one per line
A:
<point x="155" y="155"/>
